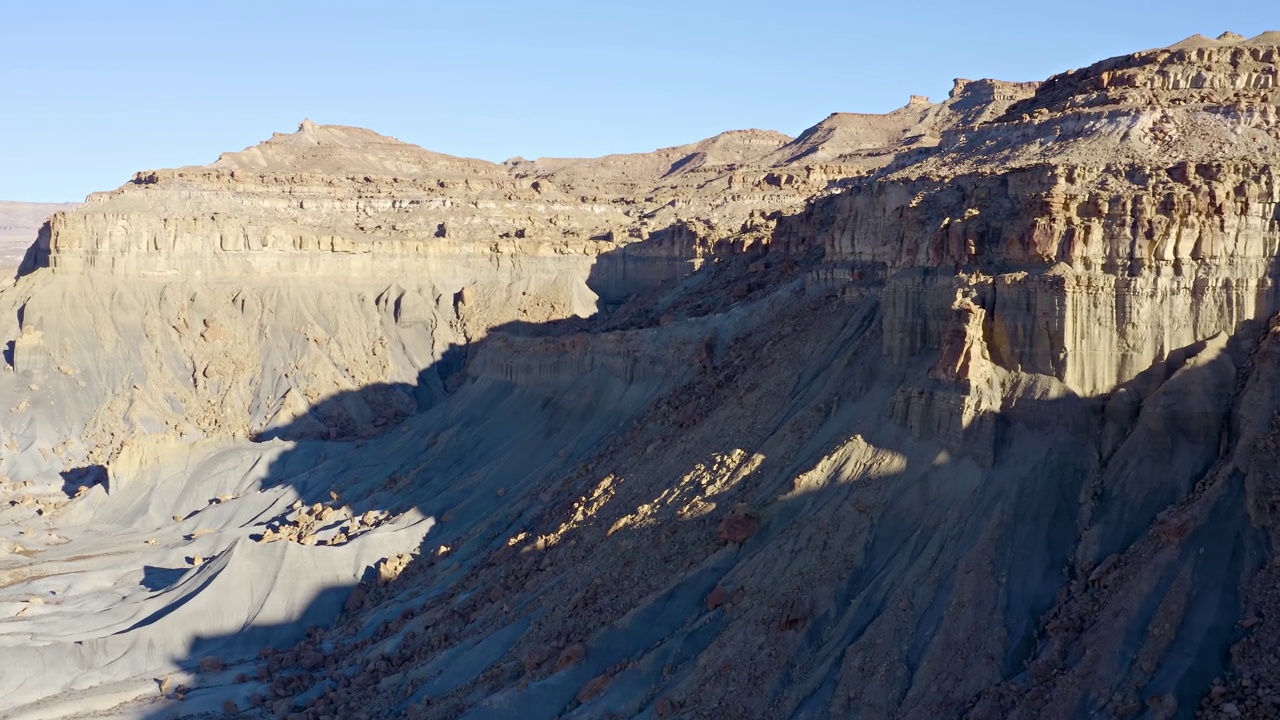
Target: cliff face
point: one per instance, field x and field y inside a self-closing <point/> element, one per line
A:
<point x="427" y="251"/>
<point x="19" y="225"/>
<point x="963" y="410"/>
<point x="1122" y="212"/>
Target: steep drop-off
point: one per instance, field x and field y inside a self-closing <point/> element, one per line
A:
<point x="19" y="224"/>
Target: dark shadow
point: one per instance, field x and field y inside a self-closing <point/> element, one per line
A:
<point x="78" y="480"/>
<point x="8" y="352"/>
<point x="252" y="640"/>
<point x="662" y="259"/>
<point x="156" y="579"/>
<point x="448" y="368"/>
<point x="37" y="254"/>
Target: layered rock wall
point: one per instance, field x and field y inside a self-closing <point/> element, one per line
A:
<point x="1091" y="272"/>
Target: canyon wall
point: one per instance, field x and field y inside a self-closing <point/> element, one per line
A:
<point x="1139" y="194"/>
<point x="961" y="410"/>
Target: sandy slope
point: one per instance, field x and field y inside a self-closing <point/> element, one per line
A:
<point x="114" y="595"/>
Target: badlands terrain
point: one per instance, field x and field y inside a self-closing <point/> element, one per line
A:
<point x="967" y="410"/>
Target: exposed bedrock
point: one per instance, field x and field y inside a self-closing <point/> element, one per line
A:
<point x="1087" y="274"/>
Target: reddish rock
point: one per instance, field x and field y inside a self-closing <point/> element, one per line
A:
<point x="594" y="689"/>
<point x="665" y="708"/>
<point x="717" y="598"/>
<point x="742" y="522"/>
<point x="213" y="331"/>
<point x="571" y="655"/>
<point x="356" y="599"/>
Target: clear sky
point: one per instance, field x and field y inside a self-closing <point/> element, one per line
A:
<point x="92" y="91"/>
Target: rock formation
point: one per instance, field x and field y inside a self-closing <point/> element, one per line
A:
<point x="964" y="410"/>
<point x="19" y="225"/>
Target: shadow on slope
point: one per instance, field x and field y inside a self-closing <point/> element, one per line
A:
<point x="36" y="255"/>
<point x="731" y="524"/>
<point x="80" y="480"/>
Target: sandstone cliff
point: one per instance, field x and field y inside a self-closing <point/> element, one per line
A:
<point x="1137" y="188"/>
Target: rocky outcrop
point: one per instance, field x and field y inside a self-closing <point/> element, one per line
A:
<point x="1197" y="70"/>
<point x="1103" y="253"/>
<point x="19" y="225"/>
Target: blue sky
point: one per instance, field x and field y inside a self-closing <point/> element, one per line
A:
<point x="91" y="92"/>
